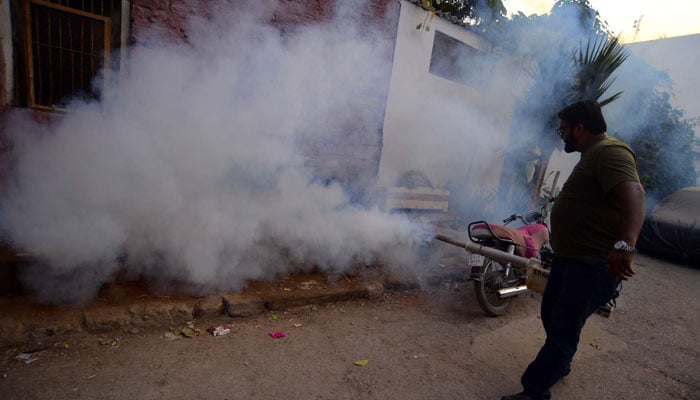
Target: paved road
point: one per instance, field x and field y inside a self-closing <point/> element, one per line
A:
<point x="417" y="345"/>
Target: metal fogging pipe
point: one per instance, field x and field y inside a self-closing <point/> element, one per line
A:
<point x="490" y="252"/>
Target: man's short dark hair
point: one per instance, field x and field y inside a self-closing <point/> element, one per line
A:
<point x="587" y="113"/>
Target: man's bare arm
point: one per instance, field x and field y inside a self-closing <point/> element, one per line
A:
<point x="631" y="196"/>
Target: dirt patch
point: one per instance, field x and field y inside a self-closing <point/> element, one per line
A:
<point x="419" y="344"/>
<point x="517" y="343"/>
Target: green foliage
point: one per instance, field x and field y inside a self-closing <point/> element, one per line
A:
<point x="477" y="10"/>
<point x="664" y="148"/>
<point x="568" y="62"/>
<point x="597" y="62"/>
<point x="572" y="56"/>
<point x="456" y="8"/>
<point x="563" y="76"/>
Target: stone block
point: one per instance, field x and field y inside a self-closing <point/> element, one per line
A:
<point x="105" y="319"/>
<point x="242" y="305"/>
<point x="161" y="313"/>
<point x="12" y="332"/>
<point x="210" y="306"/>
<point x="374" y="290"/>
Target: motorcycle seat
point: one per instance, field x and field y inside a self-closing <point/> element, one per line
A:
<point x="527" y="239"/>
<point x="482" y="231"/>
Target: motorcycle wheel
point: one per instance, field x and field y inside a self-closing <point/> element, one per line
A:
<point x="486" y="289"/>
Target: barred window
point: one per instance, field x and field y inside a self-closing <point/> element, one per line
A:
<point x="66" y="44"/>
<point x="458" y="62"/>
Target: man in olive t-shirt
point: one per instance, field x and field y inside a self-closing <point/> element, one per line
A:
<point x="595" y="223"/>
<point x="586" y="214"/>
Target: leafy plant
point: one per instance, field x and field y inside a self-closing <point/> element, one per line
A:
<point x="462" y="10"/>
<point x="597" y="61"/>
<point x="562" y="71"/>
<point x="664" y="148"/>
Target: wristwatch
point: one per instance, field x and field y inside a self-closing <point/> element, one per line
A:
<point x="621" y="245"/>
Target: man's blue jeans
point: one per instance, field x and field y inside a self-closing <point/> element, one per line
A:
<point x="575" y="289"/>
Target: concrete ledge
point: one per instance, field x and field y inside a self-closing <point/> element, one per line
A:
<point x="21" y="323"/>
<point x="123" y="307"/>
<point x="284" y="302"/>
<point x="160" y="312"/>
<point x="105" y="319"/>
<point x="12" y="332"/>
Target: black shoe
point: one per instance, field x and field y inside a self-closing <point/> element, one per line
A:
<point x="517" y="396"/>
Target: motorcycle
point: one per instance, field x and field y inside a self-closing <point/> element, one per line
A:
<point x="505" y="262"/>
<point x="498" y="282"/>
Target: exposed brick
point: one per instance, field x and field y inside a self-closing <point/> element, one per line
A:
<point x="330" y="156"/>
<point x="153" y="4"/>
<point x="4" y="97"/>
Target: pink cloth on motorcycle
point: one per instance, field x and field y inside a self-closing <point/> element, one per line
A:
<point x="528" y="239"/>
<point x="535" y="236"/>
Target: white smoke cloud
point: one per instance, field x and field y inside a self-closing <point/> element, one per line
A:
<point x="191" y="171"/>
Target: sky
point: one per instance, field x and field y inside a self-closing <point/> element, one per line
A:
<point x="658" y="19"/>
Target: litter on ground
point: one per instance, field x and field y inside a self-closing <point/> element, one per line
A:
<point x="188" y="331"/>
<point x="219" y="330"/>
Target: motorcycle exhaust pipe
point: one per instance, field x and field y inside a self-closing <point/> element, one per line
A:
<point x="490" y="252"/>
<point x="511" y="291"/>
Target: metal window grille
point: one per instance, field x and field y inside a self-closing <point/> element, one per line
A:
<point x="459" y="62"/>
<point x="68" y="43"/>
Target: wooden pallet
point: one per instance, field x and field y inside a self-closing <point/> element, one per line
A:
<point x="421" y="198"/>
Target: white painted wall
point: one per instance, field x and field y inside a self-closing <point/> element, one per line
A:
<point x="444" y="129"/>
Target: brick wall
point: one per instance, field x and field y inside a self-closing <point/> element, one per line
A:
<point x="4" y="99"/>
<point x="171" y="15"/>
<point x="4" y="106"/>
<point x="350" y="157"/>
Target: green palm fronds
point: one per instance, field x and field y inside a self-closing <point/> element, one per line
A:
<point x="597" y="61"/>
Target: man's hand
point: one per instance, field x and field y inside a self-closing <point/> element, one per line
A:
<point x="620" y="265"/>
